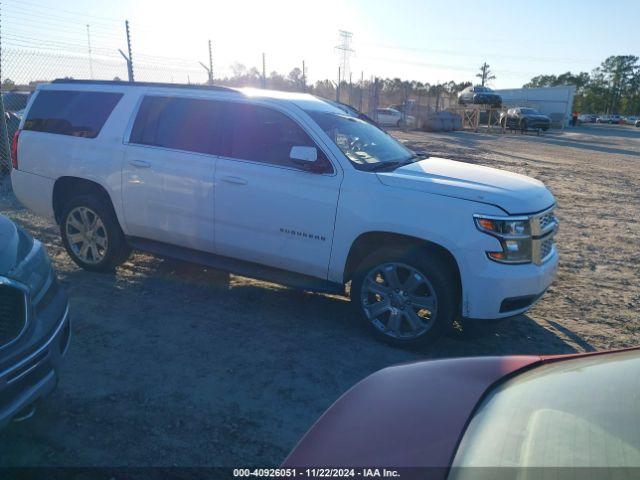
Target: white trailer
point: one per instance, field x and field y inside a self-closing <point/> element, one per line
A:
<point x="557" y="102"/>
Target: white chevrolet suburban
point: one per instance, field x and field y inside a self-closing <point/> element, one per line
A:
<point x="286" y="187"/>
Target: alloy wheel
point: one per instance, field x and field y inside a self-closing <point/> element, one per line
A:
<point x="86" y="235"/>
<point x="399" y="301"/>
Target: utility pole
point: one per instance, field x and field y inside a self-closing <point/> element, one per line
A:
<point x="89" y="47"/>
<point x="345" y="50"/>
<point x="209" y="69"/>
<point x="210" y="64"/>
<point x="361" y="89"/>
<point x="128" y="59"/>
<point x="304" y="77"/>
<point x="264" y="72"/>
<point x="338" y="87"/>
<point x="350" y="89"/>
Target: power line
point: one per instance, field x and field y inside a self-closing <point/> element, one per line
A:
<point x="48" y="8"/>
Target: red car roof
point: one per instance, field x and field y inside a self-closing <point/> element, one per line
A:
<point x="423" y="406"/>
<point x="410" y="415"/>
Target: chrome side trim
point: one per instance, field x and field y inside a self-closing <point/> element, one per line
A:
<point x="46" y="345"/>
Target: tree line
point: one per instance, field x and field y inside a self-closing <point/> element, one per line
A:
<point x="612" y="88"/>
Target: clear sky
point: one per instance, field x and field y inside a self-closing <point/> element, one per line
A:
<point x="430" y="41"/>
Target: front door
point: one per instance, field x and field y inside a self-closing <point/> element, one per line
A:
<point x="269" y="209"/>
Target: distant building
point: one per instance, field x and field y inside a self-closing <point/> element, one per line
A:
<point x="556" y="102"/>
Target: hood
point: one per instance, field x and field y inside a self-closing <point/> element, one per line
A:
<point x="9" y="243"/>
<point x="514" y="193"/>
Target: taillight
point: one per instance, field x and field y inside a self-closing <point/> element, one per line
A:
<point x="14" y="150"/>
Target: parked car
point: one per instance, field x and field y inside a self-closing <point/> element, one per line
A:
<point x="638" y="123"/>
<point x="390" y="117"/>
<point x="34" y="323"/>
<point x="349" y="110"/>
<point x="524" y="118"/>
<point x="441" y="417"/>
<point x="479" y="95"/>
<point x="587" y="118"/>
<point x="15" y="101"/>
<point x="612" y="119"/>
<point x="630" y="120"/>
<point x="285" y="187"/>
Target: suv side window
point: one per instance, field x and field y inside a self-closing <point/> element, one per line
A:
<point x="264" y="135"/>
<point x="75" y="113"/>
<point x="188" y="124"/>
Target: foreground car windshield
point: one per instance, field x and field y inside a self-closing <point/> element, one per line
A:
<point x="529" y="111"/>
<point x="362" y="143"/>
<point x="575" y="413"/>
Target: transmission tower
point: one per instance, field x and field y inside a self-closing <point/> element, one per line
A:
<point x="345" y="52"/>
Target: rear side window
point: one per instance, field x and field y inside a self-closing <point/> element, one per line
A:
<point x="265" y="135"/>
<point x="79" y="114"/>
<point x="186" y="124"/>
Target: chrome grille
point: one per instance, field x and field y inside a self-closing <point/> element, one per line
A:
<point x="546" y="220"/>
<point x="13" y="314"/>
<point x="546" y="247"/>
<point x="543" y="223"/>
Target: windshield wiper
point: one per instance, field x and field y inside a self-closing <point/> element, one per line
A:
<point x="376" y="167"/>
<point x="418" y="156"/>
<point x="392" y="165"/>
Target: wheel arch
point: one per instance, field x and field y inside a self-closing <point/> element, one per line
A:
<point x="368" y="242"/>
<point x="68" y="187"/>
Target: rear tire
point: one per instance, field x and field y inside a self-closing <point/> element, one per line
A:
<point x="92" y="235"/>
<point x="407" y="298"/>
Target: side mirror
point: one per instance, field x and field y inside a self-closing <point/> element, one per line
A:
<point x="304" y="154"/>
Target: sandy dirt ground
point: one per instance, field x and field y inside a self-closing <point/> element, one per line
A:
<point x="172" y="364"/>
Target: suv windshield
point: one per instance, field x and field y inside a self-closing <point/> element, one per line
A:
<point x="364" y="144"/>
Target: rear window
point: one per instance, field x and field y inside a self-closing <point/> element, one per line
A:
<point x="186" y="124"/>
<point x="79" y="114"/>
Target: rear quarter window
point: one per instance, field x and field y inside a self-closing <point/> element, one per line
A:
<point x="78" y="114"/>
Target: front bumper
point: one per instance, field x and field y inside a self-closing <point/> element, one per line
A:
<point x="34" y="375"/>
<point x="29" y="363"/>
<point x="497" y="288"/>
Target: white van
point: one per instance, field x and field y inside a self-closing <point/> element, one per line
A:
<point x="285" y="187"/>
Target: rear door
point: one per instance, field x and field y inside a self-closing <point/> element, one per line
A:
<point x="270" y="210"/>
<point x="168" y="171"/>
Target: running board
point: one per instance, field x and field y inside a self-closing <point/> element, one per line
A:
<point x="238" y="267"/>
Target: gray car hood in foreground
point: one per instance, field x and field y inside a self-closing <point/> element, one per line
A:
<point x="9" y="242"/>
<point x="514" y="193"/>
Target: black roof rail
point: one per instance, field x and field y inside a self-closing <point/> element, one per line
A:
<point x="145" y="84"/>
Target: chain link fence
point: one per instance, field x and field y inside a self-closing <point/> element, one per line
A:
<point x="25" y="65"/>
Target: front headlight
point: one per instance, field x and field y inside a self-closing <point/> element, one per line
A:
<point x="514" y="235"/>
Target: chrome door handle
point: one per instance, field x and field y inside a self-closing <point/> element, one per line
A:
<point x="139" y="163"/>
<point x="234" y="180"/>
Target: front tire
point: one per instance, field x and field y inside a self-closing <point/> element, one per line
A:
<point x="407" y="299"/>
<point x="92" y="235"/>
